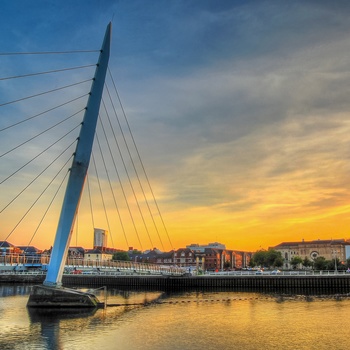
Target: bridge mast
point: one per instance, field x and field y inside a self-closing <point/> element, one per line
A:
<point x="78" y="170"/>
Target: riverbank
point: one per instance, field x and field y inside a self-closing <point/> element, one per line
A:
<point x="314" y="284"/>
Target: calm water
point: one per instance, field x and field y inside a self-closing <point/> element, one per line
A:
<point x="225" y="320"/>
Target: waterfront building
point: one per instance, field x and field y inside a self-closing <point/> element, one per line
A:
<point x="212" y="259"/>
<point x="217" y="257"/>
<point x="76" y="252"/>
<point x="240" y="259"/>
<point x="7" y="248"/>
<point x="205" y="257"/>
<point x="98" y="255"/>
<point x="29" y="250"/>
<point x="152" y="256"/>
<point x="184" y="257"/>
<point x="31" y="254"/>
<point x="201" y="247"/>
<point x="329" y="249"/>
<point x="166" y="258"/>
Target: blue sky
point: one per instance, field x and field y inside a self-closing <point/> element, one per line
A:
<point x="240" y="108"/>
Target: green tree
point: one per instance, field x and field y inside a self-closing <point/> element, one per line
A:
<point x="252" y="263"/>
<point x="307" y="262"/>
<point x="259" y="258"/>
<point x="295" y="261"/>
<point x="268" y="258"/>
<point x="333" y="264"/>
<point x="121" y="256"/>
<point x="320" y="263"/>
<point x="274" y="258"/>
<point x="278" y="262"/>
<point x="347" y="263"/>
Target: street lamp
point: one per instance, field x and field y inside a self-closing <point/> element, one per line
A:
<point x="335" y="261"/>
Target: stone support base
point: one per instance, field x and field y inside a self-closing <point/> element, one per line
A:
<point x="53" y="297"/>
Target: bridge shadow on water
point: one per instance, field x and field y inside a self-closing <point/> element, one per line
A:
<point x="52" y="325"/>
<point x="51" y="321"/>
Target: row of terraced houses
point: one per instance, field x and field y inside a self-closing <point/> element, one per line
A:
<point x="211" y="257"/>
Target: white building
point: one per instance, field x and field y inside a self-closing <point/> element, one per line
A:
<point x="100" y="237"/>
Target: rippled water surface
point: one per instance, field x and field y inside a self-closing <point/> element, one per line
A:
<point x="225" y="320"/>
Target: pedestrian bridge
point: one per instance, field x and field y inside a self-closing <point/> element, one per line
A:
<point x="46" y="171"/>
<point x="35" y="265"/>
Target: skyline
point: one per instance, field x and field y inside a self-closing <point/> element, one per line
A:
<point x="240" y="110"/>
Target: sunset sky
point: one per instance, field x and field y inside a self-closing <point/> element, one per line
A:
<point x="240" y="109"/>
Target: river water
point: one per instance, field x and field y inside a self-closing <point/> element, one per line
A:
<point x="195" y="320"/>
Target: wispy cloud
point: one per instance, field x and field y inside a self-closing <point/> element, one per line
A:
<point x="239" y="110"/>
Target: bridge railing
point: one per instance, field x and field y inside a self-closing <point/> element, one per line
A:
<point x="85" y="266"/>
<point x="17" y="259"/>
<point x="118" y="272"/>
<point x="19" y="263"/>
<point x="280" y="273"/>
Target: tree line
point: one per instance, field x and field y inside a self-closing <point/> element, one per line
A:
<point x="273" y="258"/>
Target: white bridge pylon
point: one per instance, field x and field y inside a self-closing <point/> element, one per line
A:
<point x="78" y="169"/>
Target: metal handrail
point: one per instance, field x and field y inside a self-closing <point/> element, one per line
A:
<point x="280" y="273"/>
<point x="16" y="260"/>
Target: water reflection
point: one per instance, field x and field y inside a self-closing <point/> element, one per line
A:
<point x="11" y="290"/>
<point x="174" y="321"/>
<point x="50" y="323"/>
<point x="47" y="328"/>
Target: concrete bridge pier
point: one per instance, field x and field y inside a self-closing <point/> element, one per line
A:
<point x="53" y="297"/>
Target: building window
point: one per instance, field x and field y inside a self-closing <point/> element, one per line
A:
<point x="314" y="255"/>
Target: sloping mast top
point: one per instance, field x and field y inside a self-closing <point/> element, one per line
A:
<point x="79" y="168"/>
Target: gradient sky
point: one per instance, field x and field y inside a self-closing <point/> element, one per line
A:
<point x="240" y="109"/>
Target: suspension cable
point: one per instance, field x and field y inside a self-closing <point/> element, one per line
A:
<point x="134" y="167"/>
<point x="120" y="183"/>
<point x="13" y="199"/>
<point x="111" y="188"/>
<point x="47" y="72"/>
<point x="117" y="172"/>
<point x="32" y="138"/>
<point x="40" y="154"/>
<point x="52" y="200"/>
<point x="102" y="197"/>
<point x="45" y="92"/>
<point x="36" y="200"/>
<point x="39" y="114"/>
<point x="46" y="52"/>
<point x="128" y="175"/>
<point x="90" y="201"/>
<point x="138" y="153"/>
<point x="76" y="228"/>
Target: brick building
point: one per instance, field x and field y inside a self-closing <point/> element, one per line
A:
<point x="329" y="249"/>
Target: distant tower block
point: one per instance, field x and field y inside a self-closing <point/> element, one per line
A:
<point x="100" y="237"/>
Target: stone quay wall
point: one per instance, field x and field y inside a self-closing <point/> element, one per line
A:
<point x="336" y="284"/>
